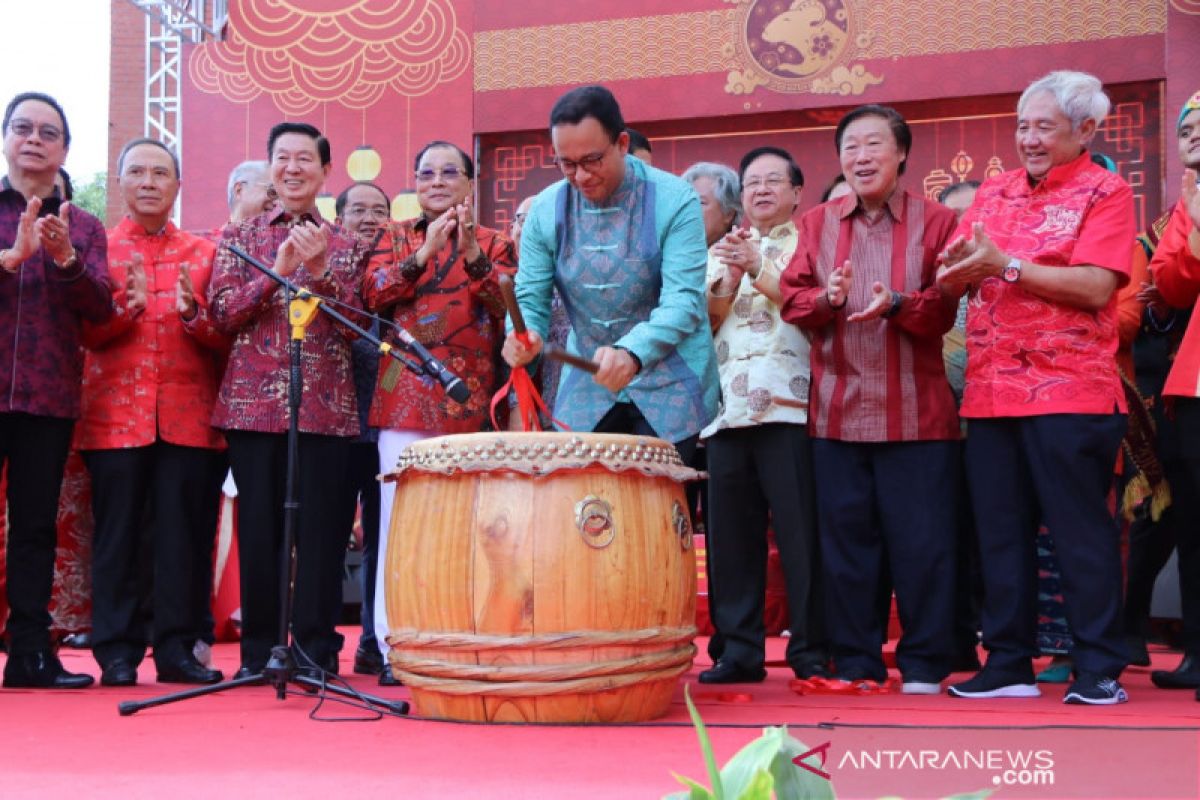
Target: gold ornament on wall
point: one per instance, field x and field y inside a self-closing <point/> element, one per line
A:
<point x="327" y="205"/>
<point x="799" y="46"/>
<point x="961" y="165"/>
<point x="935" y="182"/>
<point x="364" y="163"/>
<point x="405" y="206"/>
<point x="994" y="167"/>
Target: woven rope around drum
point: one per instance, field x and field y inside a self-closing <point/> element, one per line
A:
<point x="414" y="639"/>
<point x="499" y="673"/>
<point x="538" y="688"/>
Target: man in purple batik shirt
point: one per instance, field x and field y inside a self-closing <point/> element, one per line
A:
<point x="53" y="275"/>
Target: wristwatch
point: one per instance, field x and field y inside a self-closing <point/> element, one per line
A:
<point x="894" y="308"/>
<point x="1012" y="271"/>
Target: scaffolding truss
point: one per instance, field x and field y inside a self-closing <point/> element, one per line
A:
<point x="169" y="24"/>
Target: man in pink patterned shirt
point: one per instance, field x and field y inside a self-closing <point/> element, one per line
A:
<point x="1042" y="251"/>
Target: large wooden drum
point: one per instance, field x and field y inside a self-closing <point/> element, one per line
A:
<point x="541" y="577"/>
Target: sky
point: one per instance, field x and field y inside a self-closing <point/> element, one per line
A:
<point x="78" y="80"/>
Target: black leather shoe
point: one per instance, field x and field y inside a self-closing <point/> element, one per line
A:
<point x="728" y="672"/>
<point x="188" y="670"/>
<point x="78" y="641"/>
<point x="119" y="673"/>
<point x="368" y="661"/>
<point x="1185" y="676"/>
<point x="812" y="670"/>
<point x="386" y="678"/>
<point x="246" y="671"/>
<point x="41" y="670"/>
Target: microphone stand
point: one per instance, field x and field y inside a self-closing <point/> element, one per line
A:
<point x="281" y="667"/>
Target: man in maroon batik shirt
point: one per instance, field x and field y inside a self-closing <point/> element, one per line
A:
<point x="252" y="406"/>
<point x="53" y="275"/>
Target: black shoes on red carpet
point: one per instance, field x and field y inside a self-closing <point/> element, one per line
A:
<point x="725" y="671"/>
<point x="41" y="670"/>
<point x="118" y="673"/>
<point x="1184" y="676"/>
<point x="188" y="670"/>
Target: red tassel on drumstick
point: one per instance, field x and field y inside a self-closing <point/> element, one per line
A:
<point x="529" y="401"/>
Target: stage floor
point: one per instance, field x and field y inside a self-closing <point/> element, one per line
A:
<point x="245" y="743"/>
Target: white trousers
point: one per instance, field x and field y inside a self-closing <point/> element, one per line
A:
<point x="392" y="443"/>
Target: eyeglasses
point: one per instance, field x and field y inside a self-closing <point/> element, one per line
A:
<point x="445" y="173"/>
<point x="772" y="182"/>
<point x="377" y="212"/>
<point x="589" y="163"/>
<point x="24" y="129"/>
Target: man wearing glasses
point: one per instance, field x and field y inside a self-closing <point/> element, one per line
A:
<point x="53" y="276"/>
<point x="624" y="245"/>
<point x="437" y="277"/>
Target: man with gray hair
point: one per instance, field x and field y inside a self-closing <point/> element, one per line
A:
<point x="250" y="191"/>
<point x="720" y="197"/>
<point x="1042" y="251"/>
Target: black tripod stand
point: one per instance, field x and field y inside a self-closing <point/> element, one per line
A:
<point x="281" y="670"/>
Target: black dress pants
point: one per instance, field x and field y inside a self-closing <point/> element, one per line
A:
<point x="34" y="448"/>
<point x="893" y="502"/>
<point x="176" y="488"/>
<point x="758" y="474"/>
<point x="363" y="487"/>
<point x="259" y="464"/>
<point x="1185" y="494"/>
<point x="1057" y="469"/>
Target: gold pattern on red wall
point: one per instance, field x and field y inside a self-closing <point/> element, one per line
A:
<point x="352" y="52"/>
<point x="951" y="26"/>
<point x="799" y="46"/>
<point x="604" y="50"/>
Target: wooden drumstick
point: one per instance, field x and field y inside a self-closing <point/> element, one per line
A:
<point x="510" y="302"/>
<point x="570" y="358"/>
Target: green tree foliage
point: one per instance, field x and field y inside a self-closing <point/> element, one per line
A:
<point x="93" y="195"/>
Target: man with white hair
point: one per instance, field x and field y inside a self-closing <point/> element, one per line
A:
<point x="720" y="197"/>
<point x="250" y="191"/>
<point x="1042" y="251"/>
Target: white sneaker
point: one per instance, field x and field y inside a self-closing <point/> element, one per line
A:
<point x="992" y="683"/>
<point x="920" y="687"/>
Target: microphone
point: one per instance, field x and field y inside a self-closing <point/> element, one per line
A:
<point x="456" y="390"/>
<point x="453" y="385"/>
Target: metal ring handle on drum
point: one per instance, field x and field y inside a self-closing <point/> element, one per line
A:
<point x="682" y="525"/>
<point x="594" y="519"/>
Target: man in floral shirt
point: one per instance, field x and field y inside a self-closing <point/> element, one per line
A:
<point x="436" y="277"/>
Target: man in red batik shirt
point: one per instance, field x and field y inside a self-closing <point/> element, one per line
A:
<point x="1042" y="251"/>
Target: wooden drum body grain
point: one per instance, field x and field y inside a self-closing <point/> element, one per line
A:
<point x="541" y="577"/>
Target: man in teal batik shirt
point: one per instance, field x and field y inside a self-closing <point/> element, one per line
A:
<point x="624" y="244"/>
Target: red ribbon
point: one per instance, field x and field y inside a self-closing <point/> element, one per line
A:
<point x="529" y="400"/>
<point x="836" y="686"/>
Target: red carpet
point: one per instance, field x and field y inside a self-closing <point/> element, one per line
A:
<point x="245" y="744"/>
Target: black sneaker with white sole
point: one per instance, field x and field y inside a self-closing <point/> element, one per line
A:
<point x="1095" y="690"/>
<point x="994" y="683"/>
